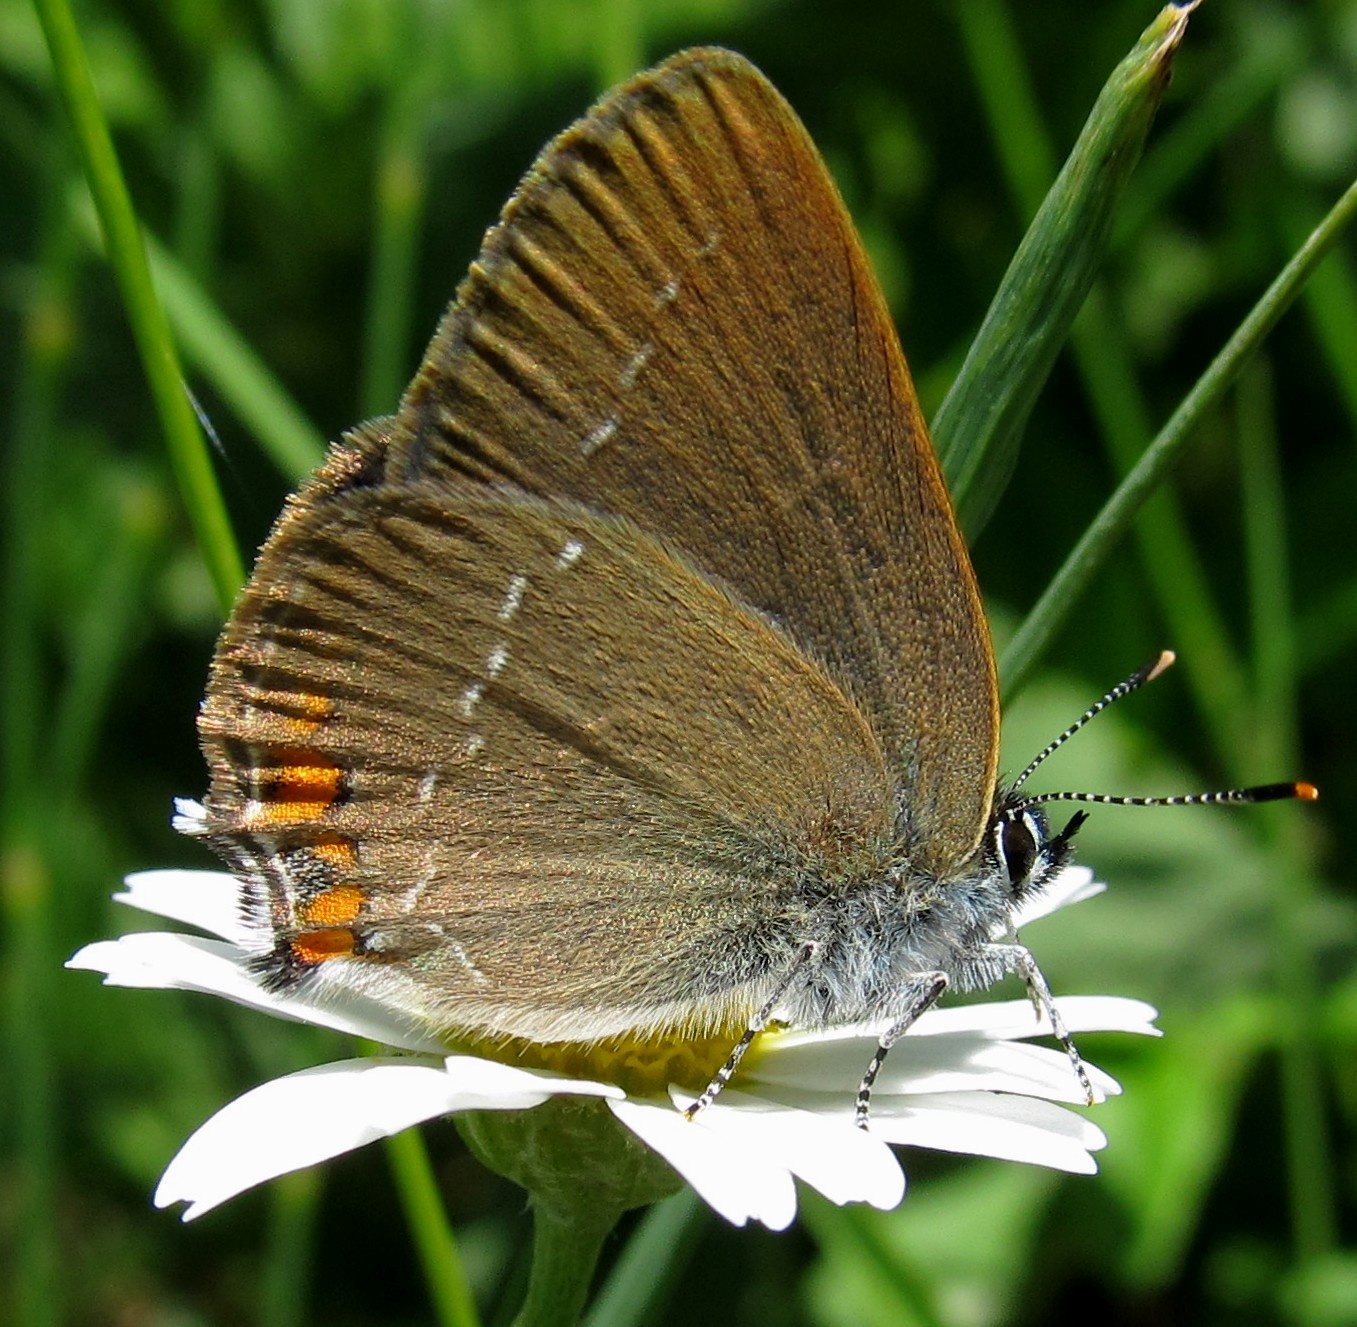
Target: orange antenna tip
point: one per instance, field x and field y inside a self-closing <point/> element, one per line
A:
<point x="1307" y="792"/>
<point x="1166" y="660"/>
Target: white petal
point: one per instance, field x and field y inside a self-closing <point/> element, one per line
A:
<point x="995" y="1019"/>
<point x="739" y="1184"/>
<point x="829" y="1152"/>
<point x="293" y="1122"/>
<point x="824" y="1079"/>
<point x="167" y="961"/>
<point x="1072" y="885"/>
<point x="1017" y="1018"/>
<point x="209" y="900"/>
<point x="488" y="1085"/>
<point x="1010" y="1128"/>
<point x="947" y="1050"/>
<point x="311" y="1116"/>
<point x="937" y="1065"/>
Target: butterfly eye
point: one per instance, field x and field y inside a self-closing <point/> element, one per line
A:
<point x="1020" y="837"/>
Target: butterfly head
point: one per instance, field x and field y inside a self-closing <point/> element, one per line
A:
<point x="1025" y="852"/>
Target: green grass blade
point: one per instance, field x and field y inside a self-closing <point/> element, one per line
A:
<point x="126" y="255"/>
<point x="1331" y="302"/>
<point x="978" y="427"/>
<point x="227" y="361"/>
<point x="643" y="1277"/>
<point x="235" y="371"/>
<point x="1183" y="594"/>
<point x="294" y="1201"/>
<point x="1104" y="360"/>
<point x="444" y="1275"/>
<point x="1112" y="522"/>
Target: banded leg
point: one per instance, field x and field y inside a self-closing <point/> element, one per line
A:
<point x="756" y="1025"/>
<point x="1018" y="960"/>
<point x="922" y="993"/>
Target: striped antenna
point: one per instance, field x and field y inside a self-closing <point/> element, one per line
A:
<point x="1267" y="792"/>
<point x="1163" y="660"/>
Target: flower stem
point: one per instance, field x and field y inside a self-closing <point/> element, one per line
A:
<point x="565" y="1249"/>
<point x="582" y="1169"/>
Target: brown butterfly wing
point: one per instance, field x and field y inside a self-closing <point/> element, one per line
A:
<point x="559" y="695"/>
<point x="527" y="760"/>
<point x="674" y="322"/>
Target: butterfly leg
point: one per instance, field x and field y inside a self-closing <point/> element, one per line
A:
<point x="1018" y="960"/>
<point x="1033" y="998"/>
<point x="756" y="1025"/>
<point x="922" y="992"/>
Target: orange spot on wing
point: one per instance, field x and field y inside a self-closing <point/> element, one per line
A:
<point x="301" y="776"/>
<point x="337" y="852"/>
<point x="318" y="708"/>
<point x="313" y="947"/>
<point x="334" y="907"/>
<point x="299" y="712"/>
<point x="297" y="785"/>
<point x="270" y="815"/>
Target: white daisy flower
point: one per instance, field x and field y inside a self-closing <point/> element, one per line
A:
<point x="964" y="1079"/>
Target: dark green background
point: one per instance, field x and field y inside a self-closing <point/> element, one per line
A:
<point x="254" y="137"/>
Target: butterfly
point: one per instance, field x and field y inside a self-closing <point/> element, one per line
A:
<point x="631" y="681"/>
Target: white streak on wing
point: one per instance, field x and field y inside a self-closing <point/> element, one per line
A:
<point x="459" y="953"/>
<point x="597" y="436"/>
<point x="427" y="785"/>
<point x="668" y="293"/>
<point x="513" y="600"/>
<point x="569" y="554"/>
<point x="634" y="366"/>
<point x="498" y="657"/>
<point x="449" y="945"/>
<point x="428" y="868"/>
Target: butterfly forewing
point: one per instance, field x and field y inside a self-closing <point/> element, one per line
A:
<point x="675" y="322"/>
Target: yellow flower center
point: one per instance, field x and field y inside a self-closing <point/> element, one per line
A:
<point x="640" y="1067"/>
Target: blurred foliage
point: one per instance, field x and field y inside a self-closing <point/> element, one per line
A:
<point x="316" y="177"/>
